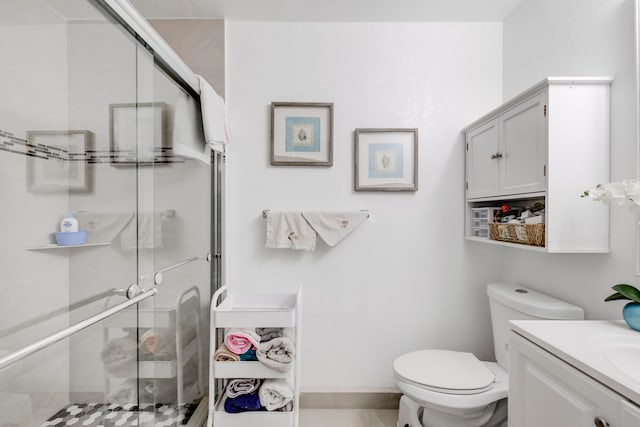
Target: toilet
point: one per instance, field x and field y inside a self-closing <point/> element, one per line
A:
<point x="443" y="388"/>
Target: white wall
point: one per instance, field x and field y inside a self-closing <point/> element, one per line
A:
<point x="405" y="279"/>
<point x="572" y="38"/>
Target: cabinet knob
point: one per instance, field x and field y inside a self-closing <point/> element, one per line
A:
<point x="600" y="422"/>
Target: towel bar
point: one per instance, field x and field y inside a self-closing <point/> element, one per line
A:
<point x="267" y="212"/>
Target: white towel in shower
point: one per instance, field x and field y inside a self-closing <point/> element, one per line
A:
<point x="214" y="116"/>
<point x="102" y="227"/>
<point x="332" y="227"/>
<point x="142" y="232"/>
<point x="289" y="230"/>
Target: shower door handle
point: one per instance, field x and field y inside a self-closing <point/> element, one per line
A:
<point x="18" y="355"/>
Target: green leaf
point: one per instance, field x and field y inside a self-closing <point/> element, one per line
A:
<point x="628" y="291"/>
<point x="614" y="297"/>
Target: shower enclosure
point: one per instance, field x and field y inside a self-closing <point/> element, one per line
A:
<point x="99" y="122"/>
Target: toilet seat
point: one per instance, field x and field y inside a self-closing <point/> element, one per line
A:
<point x="426" y="397"/>
<point x="444" y="371"/>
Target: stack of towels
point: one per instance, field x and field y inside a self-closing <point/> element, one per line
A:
<point x="251" y="394"/>
<point x="267" y="345"/>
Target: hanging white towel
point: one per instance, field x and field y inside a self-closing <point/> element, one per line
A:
<point x="149" y="232"/>
<point x="188" y="138"/>
<point x="102" y="227"/>
<point x="214" y="116"/>
<point x="289" y="230"/>
<point x="332" y="227"/>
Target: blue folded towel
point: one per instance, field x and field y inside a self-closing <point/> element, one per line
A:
<point x="249" y="355"/>
<point x="243" y="403"/>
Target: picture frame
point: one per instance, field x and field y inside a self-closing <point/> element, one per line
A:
<point x="301" y="134"/>
<point x="57" y="161"/>
<point x="138" y="134"/>
<point x="386" y="159"/>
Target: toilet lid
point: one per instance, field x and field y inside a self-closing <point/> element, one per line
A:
<point x="446" y="371"/>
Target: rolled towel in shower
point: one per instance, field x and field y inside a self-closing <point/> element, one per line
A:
<point x="240" y="340"/>
<point x="127" y="392"/>
<point x="277" y="353"/>
<point x="275" y="394"/>
<point x="223" y="354"/>
<point x="244" y="403"/>
<point x="239" y="386"/>
<point x="120" y="357"/>
<point x="267" y="334"/>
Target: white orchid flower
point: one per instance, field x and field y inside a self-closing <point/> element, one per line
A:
<point x="624" y="192"/>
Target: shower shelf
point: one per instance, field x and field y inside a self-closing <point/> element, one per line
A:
<point x="54" y="246"/>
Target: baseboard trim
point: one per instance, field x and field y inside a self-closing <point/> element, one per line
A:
<point x="349" y="400"/>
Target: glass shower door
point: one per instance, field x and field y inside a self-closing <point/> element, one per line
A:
<point x="88" y="127"/>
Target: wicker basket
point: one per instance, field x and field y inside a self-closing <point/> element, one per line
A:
<point x="526" y="234"/>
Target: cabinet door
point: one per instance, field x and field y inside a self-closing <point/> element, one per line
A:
<point x="545" y="391"/>
<point x="523" y="133"/>
<point x="482" y="163"/>
<point x="629" y="415"/>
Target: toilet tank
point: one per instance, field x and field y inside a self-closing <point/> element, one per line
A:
<point x="513" y="302"/>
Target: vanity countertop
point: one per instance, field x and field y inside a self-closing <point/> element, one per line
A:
<point x="607" y="351"/>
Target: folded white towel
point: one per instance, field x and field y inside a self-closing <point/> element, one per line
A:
<point x="332" y="227"/>
<point x="214" y="116"/>
<point x="275" y="394"/>
<point x="289" y="230"/>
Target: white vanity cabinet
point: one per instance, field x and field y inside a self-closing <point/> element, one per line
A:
<point x="548" y="145"/>
<point x="545" y="390"/>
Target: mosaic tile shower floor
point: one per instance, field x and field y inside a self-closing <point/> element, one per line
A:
<point x="111" y="415"/>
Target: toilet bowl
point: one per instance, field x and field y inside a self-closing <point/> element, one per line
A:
<point x="450" y="389"/>
<point x="443" y="388"/>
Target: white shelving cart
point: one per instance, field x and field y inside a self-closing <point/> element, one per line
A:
<point x="174" y="320"/>
<point x="247" y="310"/>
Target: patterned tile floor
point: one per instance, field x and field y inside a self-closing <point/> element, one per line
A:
<point x="111" y="415"/>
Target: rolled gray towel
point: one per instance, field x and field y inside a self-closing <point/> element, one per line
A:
<point x="277" y="353"/>
<point x="267" y="334"/>
<point x="238" y="387"/>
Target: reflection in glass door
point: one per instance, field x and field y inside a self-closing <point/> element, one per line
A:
<point x="97" y="208"/>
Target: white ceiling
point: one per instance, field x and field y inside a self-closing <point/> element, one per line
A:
<point x="20" y="12"/>
<point x="331" y="10"/>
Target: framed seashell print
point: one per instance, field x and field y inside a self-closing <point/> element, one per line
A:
<point x="301" y="134"/>
<point x="386" y="159"/>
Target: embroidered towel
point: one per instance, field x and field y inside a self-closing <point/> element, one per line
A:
<point x="214" y="116"/>
<point x="275" y="394"/>
<point x="239" y="341"/>
<point x="332" y="227"/>
<point x="289" y="230"/>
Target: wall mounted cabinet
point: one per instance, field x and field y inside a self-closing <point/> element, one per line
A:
<point x="546" y="145"/>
